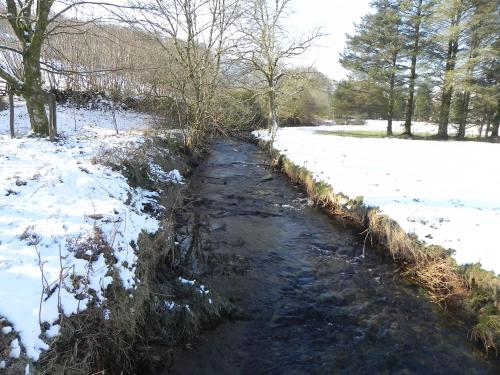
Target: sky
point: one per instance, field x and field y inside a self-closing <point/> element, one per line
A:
<point x="336" y="17"/>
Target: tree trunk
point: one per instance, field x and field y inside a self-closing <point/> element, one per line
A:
<point x="464" y="109"/>
<point x="451" y="55"/>
<point x="273" y="117"/>
<point x="494" y="130"/>
<point x="11" y="114"/>
<point x="29" y="27"/>
<point x="33" y="92"/>
<point x="444" y="112"/>
<point x="390" y="110"/>
<point x="413" y="75"/>
<point x="35" y="103"/>
<point x="496" y="122"/>
<point x="487" y="131"/>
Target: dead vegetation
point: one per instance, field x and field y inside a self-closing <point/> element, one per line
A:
<point x="101" y="338"/>
<point x="137" y="162"/>
<point x="122" y="334"/>
<point x="469" y="289"/>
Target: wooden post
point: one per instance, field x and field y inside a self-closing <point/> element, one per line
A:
<point x="54" y="114"/>
<point x="11" y="112"/>
<point x="51" y="115"/>
<point x="51" y="99"/>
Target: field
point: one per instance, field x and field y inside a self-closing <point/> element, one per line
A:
<point x="444" y="192"/>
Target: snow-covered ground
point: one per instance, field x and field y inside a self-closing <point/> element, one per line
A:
<point x="447" y="193"/>
<point x="418" y="127"/>
<point x="54" y="196"/>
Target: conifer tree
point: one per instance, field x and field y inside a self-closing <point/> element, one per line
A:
<point x="374" y="51"/>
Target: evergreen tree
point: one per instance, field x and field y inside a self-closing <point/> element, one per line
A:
<point x="423" y="102"/>
<point x="415" y="13"/>
<point x="373" y="53"/>
<point x="449" y="19"/>
<point x="358" y="100"/>
<point x="474" y="80"/>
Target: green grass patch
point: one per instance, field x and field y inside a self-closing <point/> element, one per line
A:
<point x="371" y="134"/>
<point x="382" y="134"/>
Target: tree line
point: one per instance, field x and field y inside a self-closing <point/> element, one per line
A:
<point x="426" y="60"/>
<point x="205" y="66"/>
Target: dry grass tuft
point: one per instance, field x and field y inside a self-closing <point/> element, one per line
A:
<point x="440" y="279"/>
<point x="389" y="233"/>
<point x="487" y="331"/>
<point x="4" y="344"/>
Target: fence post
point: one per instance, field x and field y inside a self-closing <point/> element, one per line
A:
<point x="11" y="112"/>
<point x="51" y="100"/>
<point x="51" y="115"/>
<point x="53" y="108"/>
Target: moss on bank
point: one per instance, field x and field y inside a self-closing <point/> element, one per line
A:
<point x="470" y="290"/>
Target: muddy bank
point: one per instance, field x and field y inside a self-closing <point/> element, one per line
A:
<point x="308" y="302"/>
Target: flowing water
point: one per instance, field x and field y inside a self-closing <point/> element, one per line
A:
<point x="310" y="303"/>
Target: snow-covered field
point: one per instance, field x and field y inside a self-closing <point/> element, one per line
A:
<point x="54" y="196"/>
<point x="447" y="193"/>
<point x="418" y="127"/>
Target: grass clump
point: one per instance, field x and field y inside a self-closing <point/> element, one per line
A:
<point x="179" y="312"/>
<point x="487" y="331"/>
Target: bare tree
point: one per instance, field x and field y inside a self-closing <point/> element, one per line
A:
<point x="195" y="35"/>
<point x="31" y="22"/>
<point x="265" y="47"/>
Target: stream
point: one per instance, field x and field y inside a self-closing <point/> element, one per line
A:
<point x="310" y="303"/>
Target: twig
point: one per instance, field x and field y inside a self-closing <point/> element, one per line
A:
<point x="368" y="233"/>
<point x="40" y="264"/>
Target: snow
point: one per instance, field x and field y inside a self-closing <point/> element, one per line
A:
<point x="186" y="281"/>
<point x="15" y="349"/>
<point x="169" y="305"/>
<point x="156" y="172"/>
<point x="54" y="197"/>
<point x="82" y="123"/>
<point x="203" y="290"/>
<point x="53" y="331"/>
<point x="444" y="192"/>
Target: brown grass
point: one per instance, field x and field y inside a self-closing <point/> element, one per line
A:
<point x="102" y="337"/>
<point x="440" y="279"/>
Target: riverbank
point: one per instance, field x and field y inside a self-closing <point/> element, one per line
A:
<point x="308" y="302"/>
<point x="468" y="288"/>
<point x="86" y="224"/>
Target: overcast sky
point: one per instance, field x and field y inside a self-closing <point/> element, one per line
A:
<point x="336" y="17"/>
